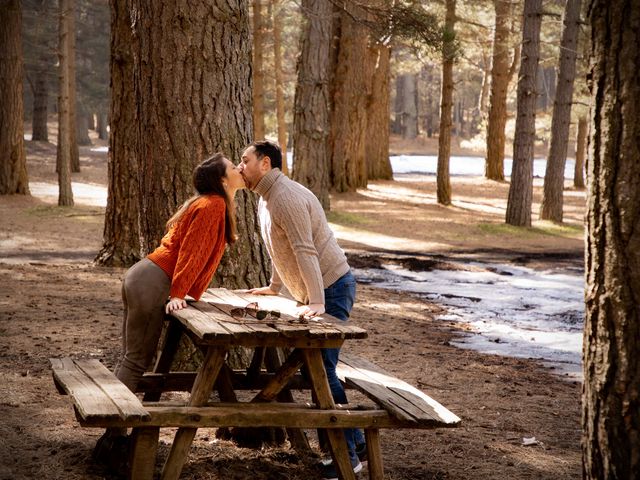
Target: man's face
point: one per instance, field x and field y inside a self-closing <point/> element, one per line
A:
<point x="253" y="169"/>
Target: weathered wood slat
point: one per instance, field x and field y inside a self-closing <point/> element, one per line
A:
<point x="398" y="396"/>
<point x="125" y="400"/>
<point x="97" y="394"/>
<point x="225" y="301"/>
<point x="199" y="324"/>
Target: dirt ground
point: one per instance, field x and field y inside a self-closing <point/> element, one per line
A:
<point x="54" y="302"/>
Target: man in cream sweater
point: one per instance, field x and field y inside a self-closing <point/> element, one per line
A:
<point x="305" y="258"/>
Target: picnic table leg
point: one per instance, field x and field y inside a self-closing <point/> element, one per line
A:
<point x="274" y="358"/>
<point x="165" y="358"/>
<point x="374" y="455"/>
<point x="320" y="385"/>
<point x="143" y="453"/>
<point x="202" y="387"/>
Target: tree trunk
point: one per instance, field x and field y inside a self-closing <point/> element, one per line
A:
<point x="351" y="88"/>
<point x="486" y="84"/>
<point x="82" y="125"/>
<point x="521" y="188"/>
<point x="497" y="120"/>
<point x="102" y="124"/>
<point x="446" y="104"/>
<point x="73" y="136"/>
<point x="91" y="121"/>
<point x="312" y="103"/>
<point x="611" y="389"/>
<point x="551" y="208"/>
<point x="277" y="60"/>
<point x="581" y="148"/>
<point x="63" y="156"/>
<point x="13" y="162"/>
<point x="377" y="138"/>
<point x="121" y="239"/>
<point x="40" y="132"/>
<point x="258" y="72"/>
<point x="406" y="105"/>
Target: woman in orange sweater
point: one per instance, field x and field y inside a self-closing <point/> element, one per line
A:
<point x="182" y="265"/>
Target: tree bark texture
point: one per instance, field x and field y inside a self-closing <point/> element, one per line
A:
<point x="378" y="103"/>
<point x="190" y="96"/>
<point x="351" y="89"/>
<point x="102" y="123"/>
<point x="551" y="208"/>
<point x="63" y="152"/>
<point x="521" y="188"/>
<point x="73" y="114"/>
<point x="121" y="239"/>
<point x="497" y="119"/>
<point x="581" y="149"/>
<point x="443" y="183"/>
<point x="611" y="355"/>
<point x="40" y="132"/>
<point x="13" y="162"/>
<point x="277" y="61"/>
<point x="258" y="72"/>
<point x="311" y="121"/>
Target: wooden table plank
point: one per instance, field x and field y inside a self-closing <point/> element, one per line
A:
<point x="201" y="325"/>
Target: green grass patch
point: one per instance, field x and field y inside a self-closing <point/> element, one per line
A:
<point x="541" y="228"/>
<point x="347" y="219"/>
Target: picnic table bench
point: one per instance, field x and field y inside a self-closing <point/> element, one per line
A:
<point x="101" y="400"/>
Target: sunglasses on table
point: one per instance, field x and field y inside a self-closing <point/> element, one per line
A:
<point x="253" y="309"/>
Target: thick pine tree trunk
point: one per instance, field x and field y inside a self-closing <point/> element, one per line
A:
<point x="192" y="94"/>
<point x="311" y="121"/>
<point x="63" y="156"/>
<point x="277" y="61"/>
<point x="521" y="188"/>
<point x="497" y="119"/>
<point x="581" y="149"/>
<point x="446" y="106"/>
<point x="40" y="132"/>
<point x="551" y="208"/>
<point x="13" y="162"/>
<point x="351" y="88"/>
<point x="121" y="238"/>
<point x="377" y="138"/>
<point x="258" y="72"/>
<point x="611" y="389"/>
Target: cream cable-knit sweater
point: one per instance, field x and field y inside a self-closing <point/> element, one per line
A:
<point x="304" y="253"/>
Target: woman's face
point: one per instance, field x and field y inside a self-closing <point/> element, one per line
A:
<point x="233" y="177"/>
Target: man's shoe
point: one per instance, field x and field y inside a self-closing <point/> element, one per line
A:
<point x="361" y="452"/>
<point x="330" y="472"/>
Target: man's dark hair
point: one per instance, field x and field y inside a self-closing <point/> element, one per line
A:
<point x="265" y="148"/>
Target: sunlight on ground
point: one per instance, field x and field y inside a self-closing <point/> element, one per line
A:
<point x="378" y="240"/>
<point x="83" y="193"/>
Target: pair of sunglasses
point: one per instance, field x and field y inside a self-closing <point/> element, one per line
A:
<point x="252" y="309"/>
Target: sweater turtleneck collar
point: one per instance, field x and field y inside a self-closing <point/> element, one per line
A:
<point x="266" y="182"/>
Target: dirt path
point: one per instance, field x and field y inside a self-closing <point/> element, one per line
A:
<point x="56" y="303"/>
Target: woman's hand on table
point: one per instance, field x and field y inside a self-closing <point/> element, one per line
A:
<point x="174" y="304"/>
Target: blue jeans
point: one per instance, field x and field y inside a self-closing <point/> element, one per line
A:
<point x="338" y="302"/>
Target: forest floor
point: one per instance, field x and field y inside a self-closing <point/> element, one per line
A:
<point x="55" y="302"/>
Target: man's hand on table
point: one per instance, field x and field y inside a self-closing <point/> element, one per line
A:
<point x="262" y="291"/>
<point x="311" y="310"/>
<point x="174" y="304"/>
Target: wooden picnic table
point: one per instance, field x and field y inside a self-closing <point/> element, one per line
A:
<point x="284" y="345"/>
<point x="215" y="325"/>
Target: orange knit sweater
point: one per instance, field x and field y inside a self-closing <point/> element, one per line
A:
<point x="192" y="248"/>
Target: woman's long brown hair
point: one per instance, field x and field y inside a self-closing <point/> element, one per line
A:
<point x="207" y="180"/>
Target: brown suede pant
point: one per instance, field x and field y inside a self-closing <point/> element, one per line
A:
<point x="145" y="290"/>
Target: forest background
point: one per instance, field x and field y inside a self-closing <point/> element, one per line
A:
<point x="341" y="84"/>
